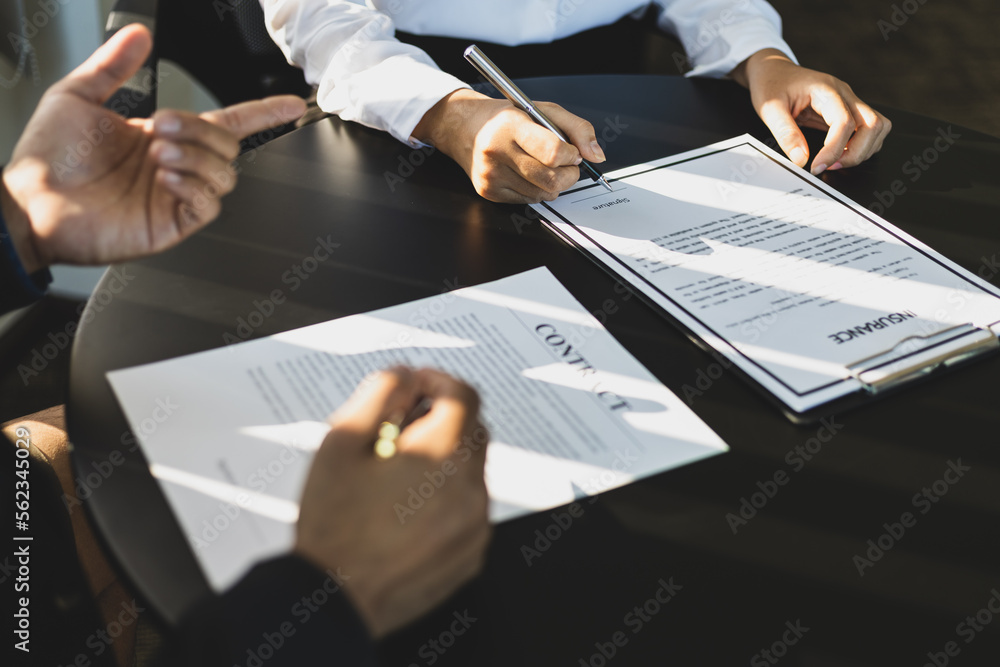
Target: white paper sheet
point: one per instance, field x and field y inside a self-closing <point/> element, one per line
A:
<point x="777" y="271"/>
<point x="570" y="411"/>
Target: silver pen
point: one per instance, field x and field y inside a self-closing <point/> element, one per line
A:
<point x="502" y="83"/>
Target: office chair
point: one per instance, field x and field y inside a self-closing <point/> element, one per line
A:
<point x="221" y="43"/>
<point x="16" y="47"/>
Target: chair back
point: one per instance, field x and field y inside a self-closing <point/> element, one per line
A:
<point x="221" y="43"/>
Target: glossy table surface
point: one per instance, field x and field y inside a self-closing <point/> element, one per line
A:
<point x="866" y="539"/>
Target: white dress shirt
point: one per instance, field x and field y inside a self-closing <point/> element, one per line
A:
<point x="348" y="50"/>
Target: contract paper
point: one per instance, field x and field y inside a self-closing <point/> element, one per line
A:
<point x="571" y="413"/>
<point x="787" y="278"/>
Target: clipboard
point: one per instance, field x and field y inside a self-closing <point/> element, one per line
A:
<point x="896" y="363"/>
<point x="913" y="360"/>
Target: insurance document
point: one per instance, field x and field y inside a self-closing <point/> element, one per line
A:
<point x="570" y="411"/>
<point x="811" y="295"/>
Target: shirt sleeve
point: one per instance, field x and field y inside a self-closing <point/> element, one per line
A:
<point x="718" y="35"/>
<point x="284" y="612"/>
<point x="17" y="288"/>
<point x="362" y="72"/>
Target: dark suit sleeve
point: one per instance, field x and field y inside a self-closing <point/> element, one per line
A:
<point x="284" y="612"/>
<point x="17" y="288"/>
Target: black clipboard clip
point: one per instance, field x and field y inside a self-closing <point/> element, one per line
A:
<point x="917" y="356"/>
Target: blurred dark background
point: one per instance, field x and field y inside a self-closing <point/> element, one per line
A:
<point x="942" y="61"/>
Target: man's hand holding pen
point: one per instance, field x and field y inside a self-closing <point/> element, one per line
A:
<point x="398" y="565"/>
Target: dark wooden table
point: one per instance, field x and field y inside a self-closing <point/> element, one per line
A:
<point x="879" y="545"/>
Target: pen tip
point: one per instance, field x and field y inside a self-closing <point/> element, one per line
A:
<point x="604" y="182"/>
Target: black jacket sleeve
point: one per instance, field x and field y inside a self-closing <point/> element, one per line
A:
<point x="17" y="288"/>
<point x="284" y="612"/>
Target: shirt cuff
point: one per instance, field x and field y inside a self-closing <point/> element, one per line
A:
<point x="392" y="96"/>
<point x="735" y="44"/>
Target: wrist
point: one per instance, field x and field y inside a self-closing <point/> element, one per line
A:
<point x="19" y="227"/>
<point x="445" y="124"/>
<point x="749" y="69"/>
